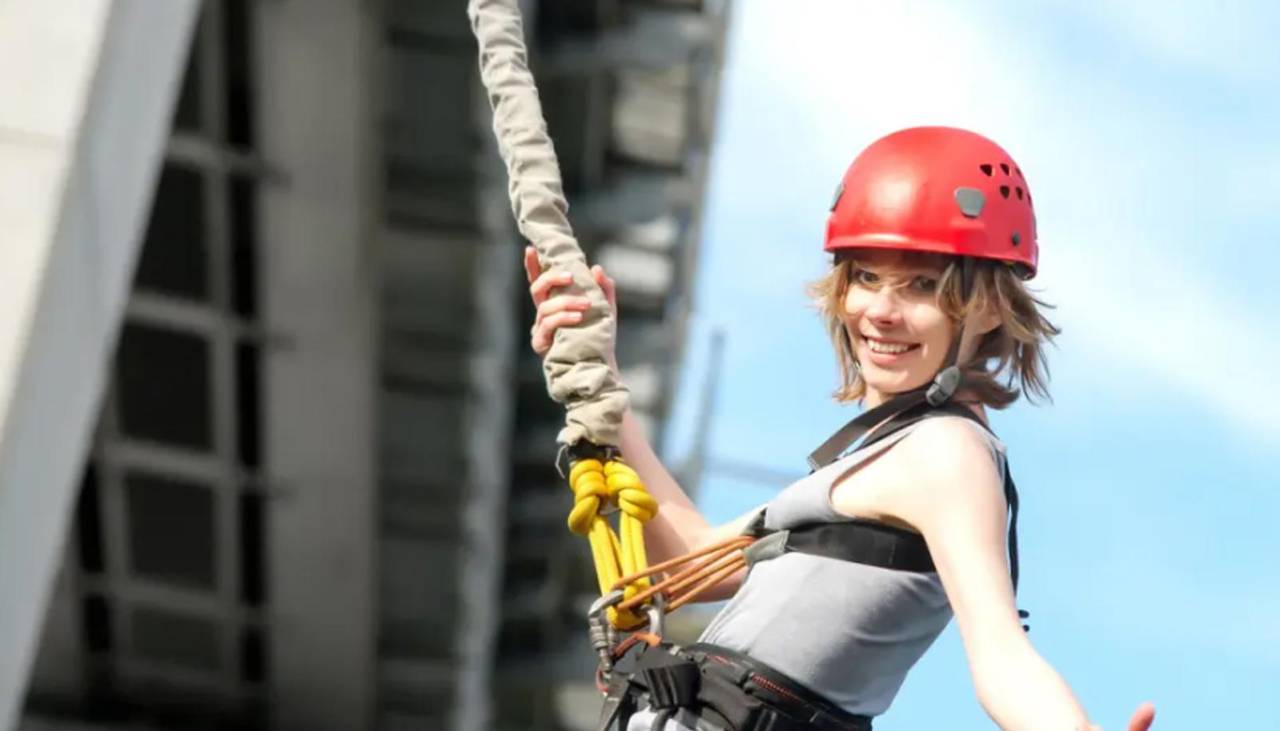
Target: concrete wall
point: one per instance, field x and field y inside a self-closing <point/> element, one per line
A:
<point x="315" y="107"/>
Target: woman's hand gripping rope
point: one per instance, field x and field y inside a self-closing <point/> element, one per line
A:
<point x="555" y="311"/>
<point x="598" y="485"/>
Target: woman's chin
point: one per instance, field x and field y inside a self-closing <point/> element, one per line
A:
<point x="892" y="384"/>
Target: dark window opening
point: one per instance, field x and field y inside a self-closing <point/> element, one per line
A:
<point x="172" y="530"/>
<point x="986" y="169"/>
<point x="175" y="258"/>
<point x="89" y="523"/>
<point x="253" y="585"/>
<point x="248" y="405"/>
<point x="1004" y="191"/>
<point x="163" y="382"/>
<point x="164" y="636"/>
<point x="253" y="656"/>
<point x="187" y="117"/>
<point x="239" y="54"/>
<point x="97" y="624"/>
<point x="242" y="198"/>
<point x="1004" y="168"/>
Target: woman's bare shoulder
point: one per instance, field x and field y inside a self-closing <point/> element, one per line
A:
<point x="949" y="455"/>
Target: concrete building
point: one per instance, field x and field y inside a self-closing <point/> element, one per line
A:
<point x="320" y="492"/>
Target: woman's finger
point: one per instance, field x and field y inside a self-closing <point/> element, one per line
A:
<point x="542" y="285"/>
<point x="561" y="303"/>
<point x="606" y="285"/>
<point x="1142" y="717"/>
<point x="531" y="266"/>
<point x="545" y="329"/>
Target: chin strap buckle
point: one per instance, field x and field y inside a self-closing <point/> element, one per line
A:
<point x="944" y="386"/>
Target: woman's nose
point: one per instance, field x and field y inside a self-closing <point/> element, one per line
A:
<point x="883" y="306"/>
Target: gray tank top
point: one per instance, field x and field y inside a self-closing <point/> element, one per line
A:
<point x="845" y="630"/>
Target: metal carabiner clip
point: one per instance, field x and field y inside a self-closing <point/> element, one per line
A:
<point x="604" y="638"/>
<point x="657" y="616"/>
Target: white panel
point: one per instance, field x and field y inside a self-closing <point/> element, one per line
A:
<point x="87" y="199"/>
<point x="48" y="52"/>
<point x="31" y="178"/>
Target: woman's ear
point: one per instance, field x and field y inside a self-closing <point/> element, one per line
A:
<point x="984" y="320"/>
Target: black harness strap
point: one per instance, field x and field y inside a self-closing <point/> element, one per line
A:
<point x="728" y="690"/>
<point x="859" y="540"/>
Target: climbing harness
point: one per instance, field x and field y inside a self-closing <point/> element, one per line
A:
<point x="733" y="691"/>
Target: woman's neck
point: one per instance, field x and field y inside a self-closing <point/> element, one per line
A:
<point x="873" y="398"/>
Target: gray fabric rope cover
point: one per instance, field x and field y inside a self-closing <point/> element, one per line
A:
<point x="576" y="369"/>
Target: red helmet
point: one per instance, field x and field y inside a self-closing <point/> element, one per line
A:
<point x="936" y="189"/>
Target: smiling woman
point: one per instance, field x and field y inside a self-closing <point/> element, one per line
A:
<point x="879" y="301"/>
<point x="857" y="568"/>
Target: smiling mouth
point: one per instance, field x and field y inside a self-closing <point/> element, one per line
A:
<point x="887" y="348"/>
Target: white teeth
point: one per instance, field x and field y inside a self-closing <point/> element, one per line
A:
<point x="878" y="347"/>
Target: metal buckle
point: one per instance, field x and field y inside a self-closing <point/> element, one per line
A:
<point x="770" y="546"/>
<point x="944" y="386"/>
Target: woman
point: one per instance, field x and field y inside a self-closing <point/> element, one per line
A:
<point x="932" y="234"/>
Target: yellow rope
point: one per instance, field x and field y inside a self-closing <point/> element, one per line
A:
<point x="596" y="487"/>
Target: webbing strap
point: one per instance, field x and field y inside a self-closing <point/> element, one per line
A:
<point x="828" y="451"/>
<point x="863" y="541"/>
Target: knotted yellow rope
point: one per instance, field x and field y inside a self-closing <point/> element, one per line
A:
<point x="597" y="487"/>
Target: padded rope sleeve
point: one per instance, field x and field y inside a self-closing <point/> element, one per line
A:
<point x="576" y="369"/>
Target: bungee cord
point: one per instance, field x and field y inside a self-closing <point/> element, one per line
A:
<point x="577" y="372"/>
<point x="576" y="367"/>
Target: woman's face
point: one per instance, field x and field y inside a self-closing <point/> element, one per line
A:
<point x="899" y="333"/>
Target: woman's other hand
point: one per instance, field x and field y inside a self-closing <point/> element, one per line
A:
<point x="1141" y="720"/>
<point x="555" y="311"/>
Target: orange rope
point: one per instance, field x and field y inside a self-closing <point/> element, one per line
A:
<point x="719" y="561"/>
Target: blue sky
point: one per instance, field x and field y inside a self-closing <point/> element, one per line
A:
<point x="1148" y="133"/>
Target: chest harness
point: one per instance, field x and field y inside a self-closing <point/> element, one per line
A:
<point x="724" y="688"/>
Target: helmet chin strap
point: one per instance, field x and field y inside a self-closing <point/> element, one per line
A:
<point x="946" y="382"/>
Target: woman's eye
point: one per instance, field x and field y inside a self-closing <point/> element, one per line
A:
<point x="924" y="284"/>
<point x="865" y="278"/>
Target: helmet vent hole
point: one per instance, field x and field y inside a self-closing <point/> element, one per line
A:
<point x="986" y="169"/>
<point x="1004" y="191"/>
<point x="1004" y="168"/>
<point x="1018" y="192"/>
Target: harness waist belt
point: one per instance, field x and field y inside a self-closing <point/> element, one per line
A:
<point x="734" y="691"/>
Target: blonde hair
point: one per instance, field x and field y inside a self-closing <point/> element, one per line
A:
<point x="1009" y="360"/>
